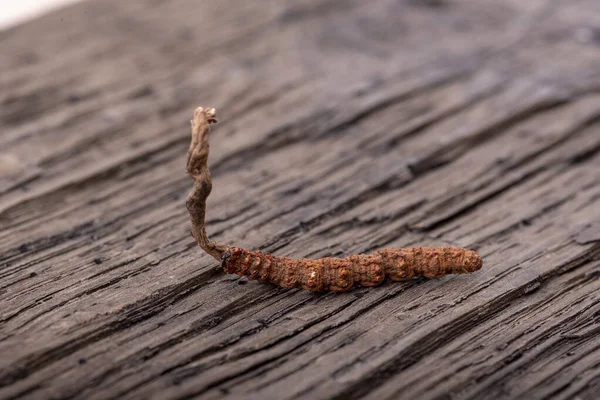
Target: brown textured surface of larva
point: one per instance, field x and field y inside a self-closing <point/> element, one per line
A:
<point x="334" y="274"/>
<point x="341" y="274"/>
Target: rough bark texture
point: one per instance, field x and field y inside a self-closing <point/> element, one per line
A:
<point x="347" y="126"/>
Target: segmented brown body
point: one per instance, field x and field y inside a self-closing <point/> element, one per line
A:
<point x="336" y="274"/>
<point x="340" y="274"/>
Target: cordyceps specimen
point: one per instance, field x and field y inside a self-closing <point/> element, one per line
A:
<point x="336" y="274"/>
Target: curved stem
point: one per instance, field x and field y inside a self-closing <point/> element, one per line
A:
<point x="197" y="168"/>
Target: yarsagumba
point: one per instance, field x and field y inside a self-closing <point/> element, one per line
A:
<point x="335" y="274"/>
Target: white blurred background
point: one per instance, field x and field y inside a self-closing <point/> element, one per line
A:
<point x="13" y="12"/>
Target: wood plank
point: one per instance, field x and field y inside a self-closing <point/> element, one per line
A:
<point x="344" y="126"/>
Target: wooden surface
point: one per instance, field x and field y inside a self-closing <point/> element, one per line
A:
<point x="345" y="126"/>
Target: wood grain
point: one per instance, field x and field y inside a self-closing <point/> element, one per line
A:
<point x="346" y="126"/>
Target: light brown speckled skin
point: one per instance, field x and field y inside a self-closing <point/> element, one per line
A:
<point x="335" y="274"/>
<point x="341" y="274"/>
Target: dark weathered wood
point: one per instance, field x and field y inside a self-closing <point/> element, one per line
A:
<point x="344" y="126"/>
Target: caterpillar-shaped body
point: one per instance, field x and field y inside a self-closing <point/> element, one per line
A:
<point x="335" y="274"/>
<point x="341" y="274"/>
